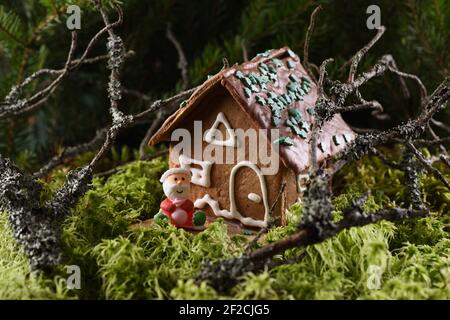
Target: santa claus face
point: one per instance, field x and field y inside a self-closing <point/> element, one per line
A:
<point x="177" y="185"/>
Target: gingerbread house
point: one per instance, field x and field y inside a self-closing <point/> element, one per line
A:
<point x="269" y="99"/>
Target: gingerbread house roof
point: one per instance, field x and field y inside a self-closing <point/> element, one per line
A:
<point x="275" y="91"/>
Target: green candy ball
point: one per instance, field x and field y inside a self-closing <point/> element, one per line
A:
<point x="199" y="218"/>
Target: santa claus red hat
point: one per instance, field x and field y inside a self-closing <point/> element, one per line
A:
<point x="174" y="170"/>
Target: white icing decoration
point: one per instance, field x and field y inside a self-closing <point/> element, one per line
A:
<point x="201" y="177"/>
<point x="232" y="139"/>
<point x="302" y="179"/>
<point x="207" y="200"/>
<point x="347" y="138"/>
<point x="233" y="213"/>
<point x="254" y="197"/>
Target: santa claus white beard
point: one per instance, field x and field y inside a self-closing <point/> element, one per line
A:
<point x="176" y="190"/>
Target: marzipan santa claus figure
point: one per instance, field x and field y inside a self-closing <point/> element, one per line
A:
<point x="177" y="207"/>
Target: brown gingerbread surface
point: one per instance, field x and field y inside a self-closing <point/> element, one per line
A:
<point x="272" y="91"/>
<point x="287" y="74"/>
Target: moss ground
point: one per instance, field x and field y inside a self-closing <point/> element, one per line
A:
<point x="407" y="260"/>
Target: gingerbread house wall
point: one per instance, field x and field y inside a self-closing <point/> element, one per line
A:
<point x="219" y="100"/>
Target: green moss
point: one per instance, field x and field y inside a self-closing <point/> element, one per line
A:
<point x="337" y="268"/>
<point x="187" y="289"/>
<point x="106" y="212"/>
<point x="111" y="206"/>
<point x="256" y="286"/>
<point x="417" y="272"/>
<point x="16" y="280"/>
<point x="389" y="189"/>
<point x="150" y="262"/>
<point x="409" y="259"/>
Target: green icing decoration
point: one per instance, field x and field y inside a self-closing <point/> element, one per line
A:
<point x="272" y="69"/>
<point x="253" y="78"/>
<point x="296" y="114"/>
<point x="294" y="78"/>
<point x="283" y="140"/>
<point x="289" y="123"/>
<point x="310" y="111"/>
<point x="277" y="62"/>
<point x="263" y="79"/>
<point x="183" y="103"/>
<point x="302" y="134"/>
<point x="264" y="54"/>
<point x="238" y="74"/>
<point x="247" y="82"/>
<point x="282" y="99"/>
<point x="276" y="121"/>
<point x="288" y="98"/>
<point x="262" y="65"/>
<point x="254" y="88"/>
<point x="272" y="95"/>
<point x="260" y="100"/>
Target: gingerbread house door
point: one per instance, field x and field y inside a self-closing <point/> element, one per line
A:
<point x="248" y="194"/>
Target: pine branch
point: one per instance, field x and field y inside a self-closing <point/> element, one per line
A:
<point x="15" y="104"/>
<point x="11" y="26"/>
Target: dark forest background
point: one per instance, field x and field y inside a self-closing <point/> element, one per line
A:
<point x="33" y="35"/>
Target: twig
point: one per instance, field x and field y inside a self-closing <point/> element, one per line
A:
<point x="244" y="51"/>
<point x="15" y="105"/>
<point x="438" y="175"/>
<point x="182" y="61"/>
<point x="156" y="123"/>
<point x="170" y="104"/>
<point x="72" y="152"/>
<point x="93" y="41"/>
<point x="276" y="263"/>
<point x="157" y="104"/>
<point x="360" y="54"/>
<point x="321" y="104"/>
<point x="137" y="94"/>
<point x="440" y="125"/>
<point x="412" y="180"/>
<point x="427" y="143"/>
<point x="362" y="106"/>
<point x="444" y="154"/>
<point x="317" y="222"/>
<point x="423" y="90"/>
<point x="163" y="113"/>
<point x="309" y="32"/>
<point x="384" y="159"/>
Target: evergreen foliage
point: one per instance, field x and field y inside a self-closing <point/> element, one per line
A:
<point x="33" y="34"/>
<point x="412" y="258"/>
